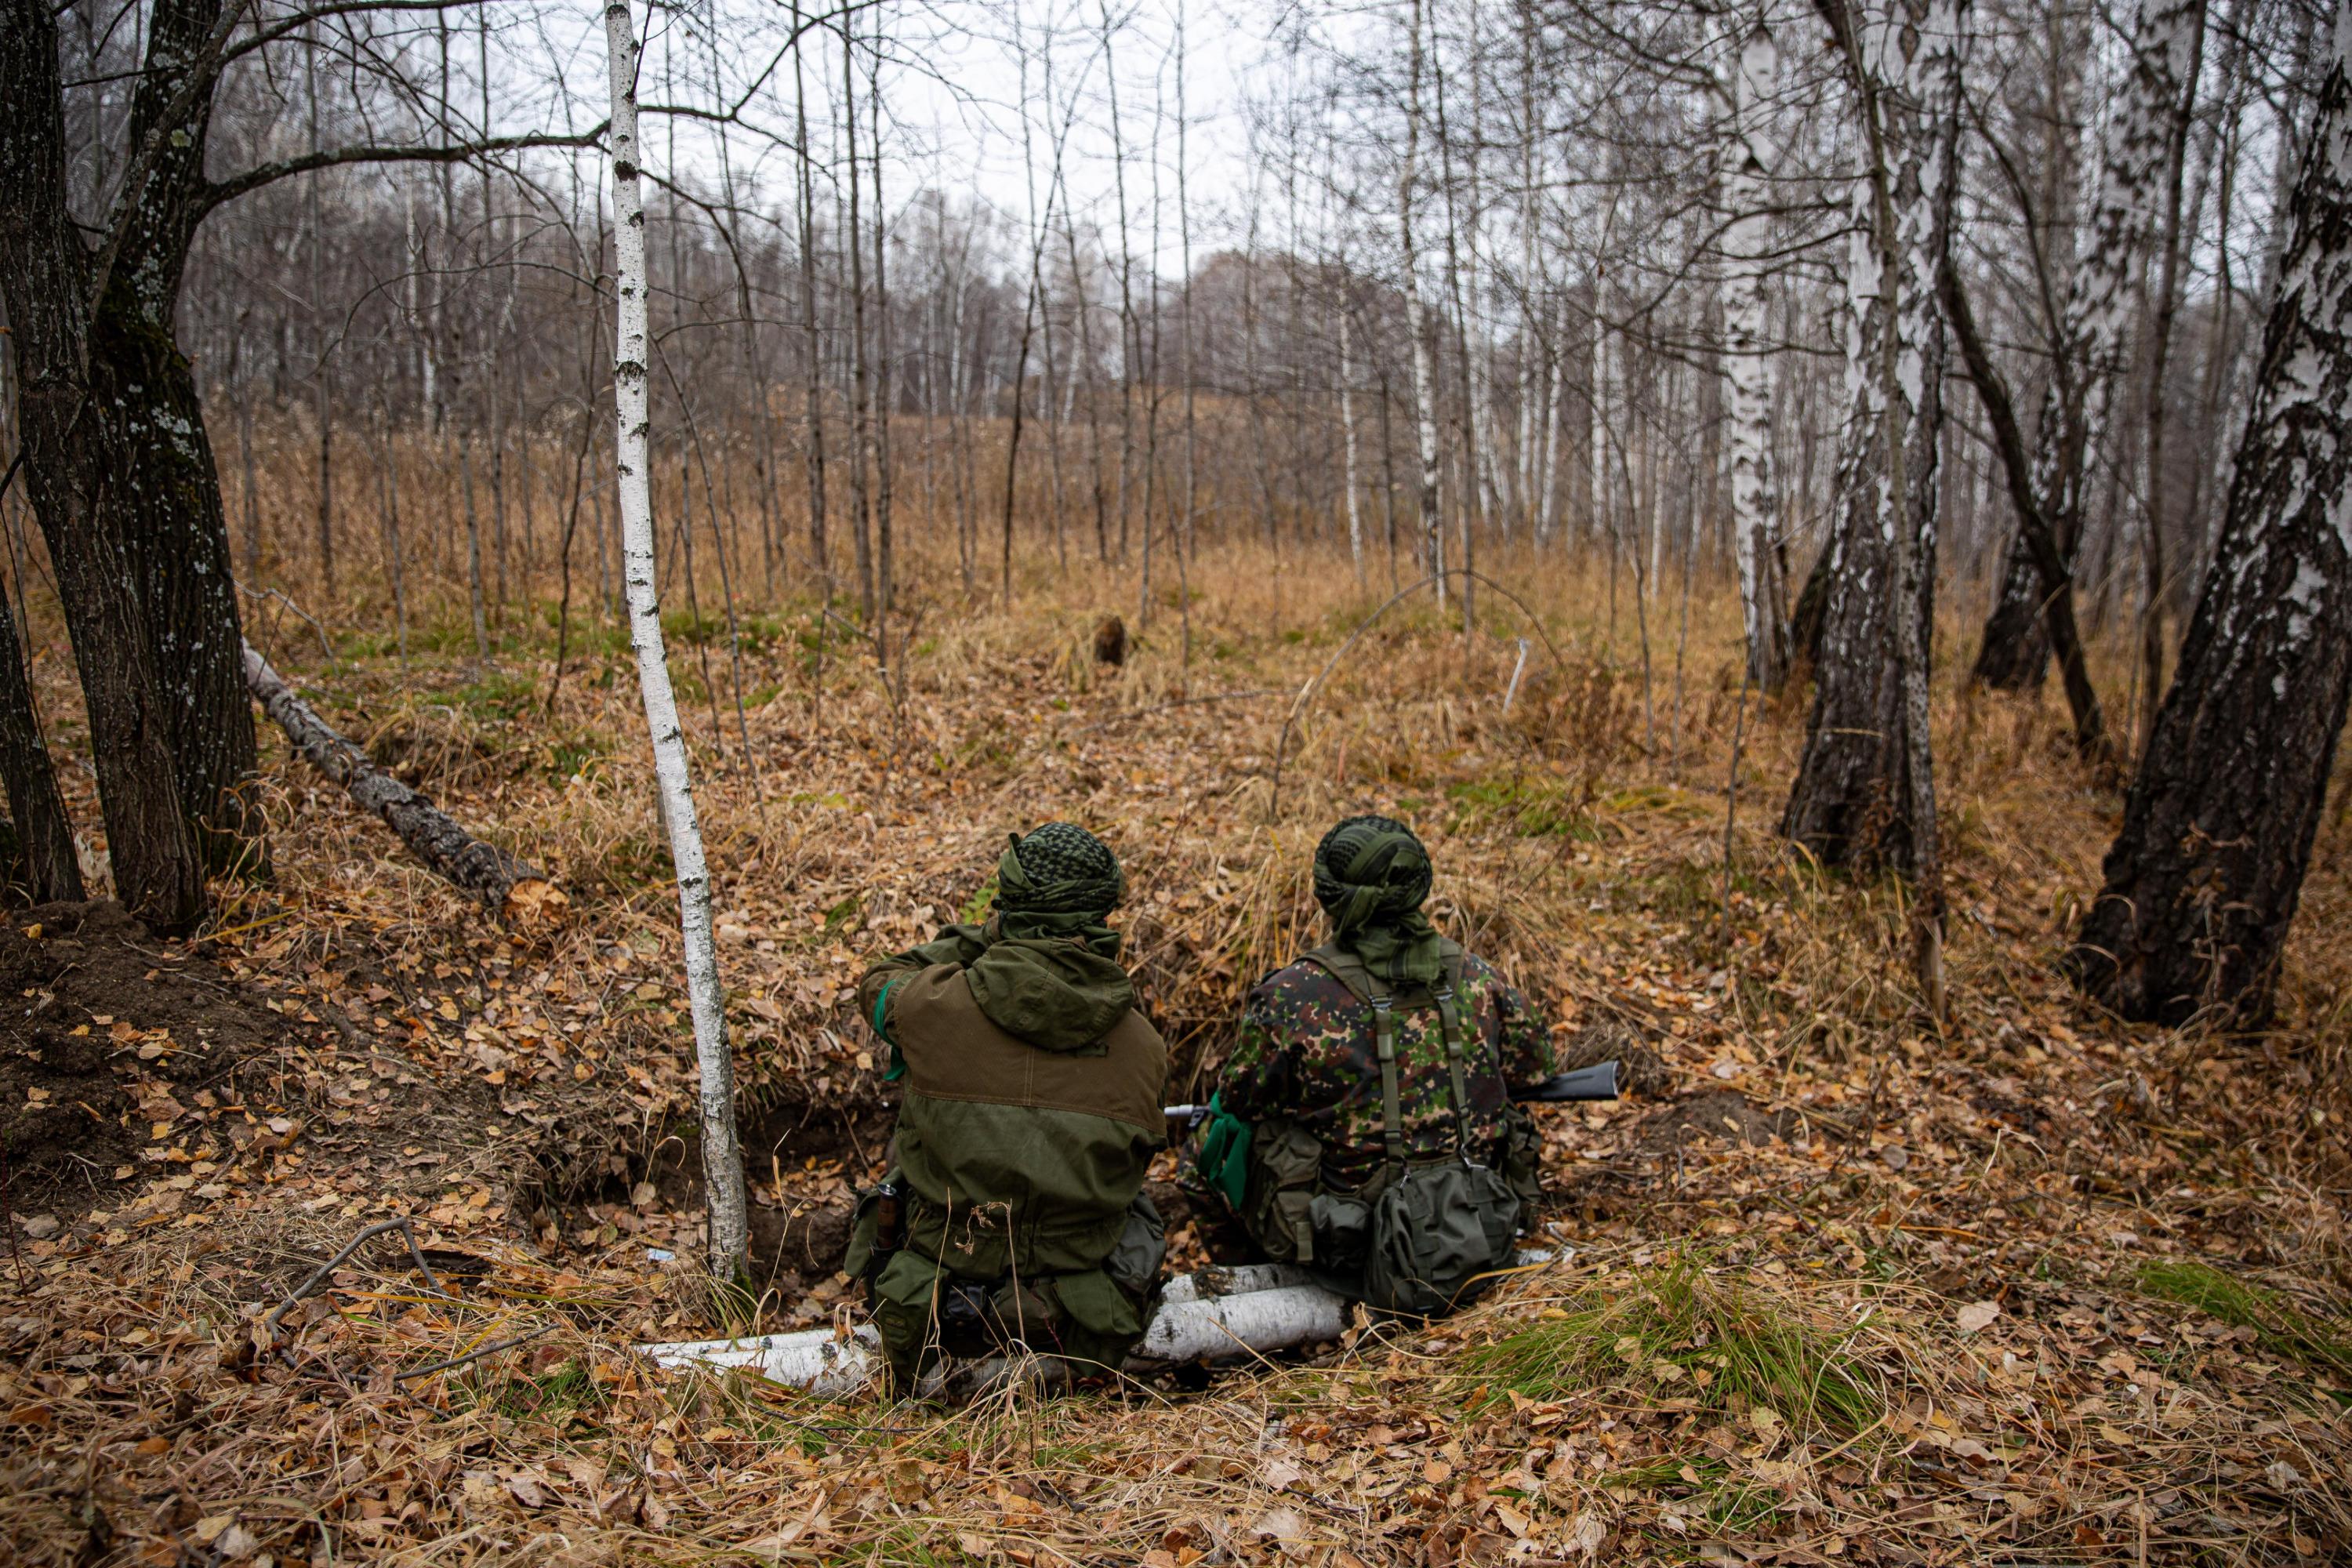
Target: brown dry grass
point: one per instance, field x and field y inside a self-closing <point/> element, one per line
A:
<point x="2029" y="1153"/>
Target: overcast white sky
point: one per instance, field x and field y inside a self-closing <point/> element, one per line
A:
<point x="956" y="97"/>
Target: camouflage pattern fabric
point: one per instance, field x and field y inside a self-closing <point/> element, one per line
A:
<point x="1307" y="1051"/>
<point x="1060" y="868"/>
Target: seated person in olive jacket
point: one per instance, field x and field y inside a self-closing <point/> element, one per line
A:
<point x="1016" y="1213"/>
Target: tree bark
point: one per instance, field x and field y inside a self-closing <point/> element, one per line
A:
<point x="513" y="886"/>
<point x="722" y="1161"/>
<point x="44" y="831"/>
<point x="1424" y="374"/>
<point x="175" y="526"/>
<point x="2093" y="334"/>
<point x="76" y="458"/>
<point x="2202" y="881"/>
<point x="812" y="342"/>
<point x="1864" y="792"/>
<point x="1752" y="69"/>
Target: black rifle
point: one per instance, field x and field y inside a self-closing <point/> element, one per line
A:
<point x="1598" y="1082"/>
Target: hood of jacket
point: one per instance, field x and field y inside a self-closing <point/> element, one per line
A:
<point x="1056" y="993"/>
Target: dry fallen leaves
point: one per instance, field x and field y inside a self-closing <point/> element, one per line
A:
<point x="1887" y="1186"/>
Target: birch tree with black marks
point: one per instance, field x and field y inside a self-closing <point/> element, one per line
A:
<point x="2204" y="879"/>
<point x="1746" y="78"/>
<point x="2091" y="348"/>
<point x="722" y="1161"/>
<point x="1865" y="793"/>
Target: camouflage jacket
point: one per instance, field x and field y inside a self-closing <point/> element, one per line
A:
<point x="1307" y="1052"/>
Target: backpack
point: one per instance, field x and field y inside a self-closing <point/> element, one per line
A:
<point x="1421" y="1237"/>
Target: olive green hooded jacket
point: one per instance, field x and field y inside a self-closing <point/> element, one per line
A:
<point x="1033" y="1093"/>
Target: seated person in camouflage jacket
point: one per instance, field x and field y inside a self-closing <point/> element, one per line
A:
<point x="1363" y="1124"/>
<point x="1016" y="1213"/>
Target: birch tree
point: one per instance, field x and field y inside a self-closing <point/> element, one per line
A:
<point x="1749" y="79"/>
<point x="1424" y="373"/>
<point x="722" y="1163"/>
<point x="1864" y="792"/>
<point x="2204" y="876"/>
<point x="2092" y="335"/>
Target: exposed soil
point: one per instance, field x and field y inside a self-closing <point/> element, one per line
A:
<point x="1723" y="1113"/>
<point x="108" y="1037"/>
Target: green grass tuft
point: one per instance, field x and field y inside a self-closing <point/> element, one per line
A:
<point x="2285" y="1329"/>
<point x="1678" y="1332"/>
<point x="1532" y="808"/>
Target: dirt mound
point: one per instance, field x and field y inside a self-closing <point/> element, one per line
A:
<point x="106" y="1035"/>
<point x="1723" y="1113"/>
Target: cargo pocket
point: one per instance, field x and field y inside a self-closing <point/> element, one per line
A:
<point x="904" y="1290"/>
<point x="1342" y="1226"/>
<point x="865" y="1222"/>
<point x="1134" y="1262"/>
<point x="1286" y="1167"/>
<point x="1099" y="1324"/>
<point x="909" y="1279"/>
<point x="1090" y="1301"/>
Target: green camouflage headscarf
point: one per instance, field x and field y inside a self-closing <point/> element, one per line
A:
<point x="1048" y="971"/>
<point x="1059" y="881"/>
<point x="1370" y="875"/>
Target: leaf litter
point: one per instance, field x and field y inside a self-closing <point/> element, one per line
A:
<point x="1848" y="1287"/>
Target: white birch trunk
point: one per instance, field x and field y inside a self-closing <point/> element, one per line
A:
<point x="722" y="1165"/>
<point x="1752" y="72"/>
<point x="1548" y="471"/>
<point x="1597" y="407"/>
<point x="1424" y="372"/>
<point x="1348" y="427"/>
<point x="2102" y="301"/>
<point x="1923" y="116"/>
<point x="2101" y="298"/>
<point x="2204" y="879"/>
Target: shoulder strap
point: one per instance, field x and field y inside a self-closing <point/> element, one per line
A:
<point x="1366" y="987"/>
<point x="1449" y="1022"/>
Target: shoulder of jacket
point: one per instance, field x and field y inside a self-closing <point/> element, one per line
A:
<point x="1303" y="983"/>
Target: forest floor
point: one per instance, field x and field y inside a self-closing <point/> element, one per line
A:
<point x="1847" y="1284"/>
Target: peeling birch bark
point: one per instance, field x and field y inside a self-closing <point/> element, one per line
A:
<point x="2094" y="347"/>
<point x="1424" y="372"/>
<point x="2202" y="881"/>
<point x="1865" y="787"/>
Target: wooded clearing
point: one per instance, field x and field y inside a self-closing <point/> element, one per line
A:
<point x="539" y="545"/>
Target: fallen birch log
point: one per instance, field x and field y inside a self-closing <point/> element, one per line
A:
<point x="1215" y="1315"/>
<point x="510" y="886"/>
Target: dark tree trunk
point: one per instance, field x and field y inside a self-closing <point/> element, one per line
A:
<point x="44" y="832"/>
<point x="77" y="456"/>
<point x="2053" y="577"/>
<point x="173" y="523"/>
<point x="2202" y="881"/>
<point x="2091" y="346"/>
<point x="1813" y="605"/>
<point x="1847" y="805"/>
<point x="2015" y="653"/>
<point x="1864" y="792"/>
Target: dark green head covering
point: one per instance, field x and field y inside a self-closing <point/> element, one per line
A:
<point x="1370" y="875"/>
<point x="1046" y="969"/>
<point x="1059" y="881"/>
